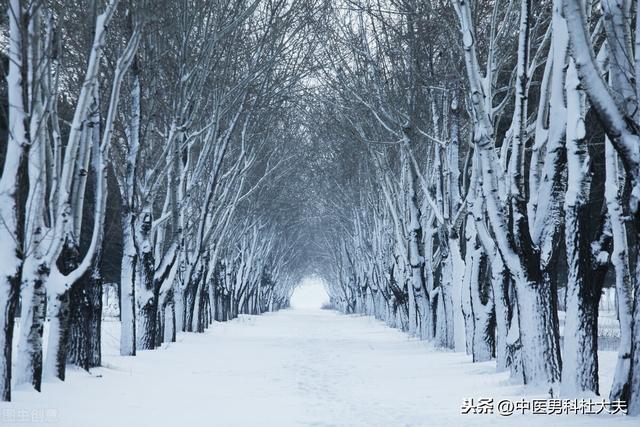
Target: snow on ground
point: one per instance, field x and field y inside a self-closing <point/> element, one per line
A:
<point x="291" y="368"/>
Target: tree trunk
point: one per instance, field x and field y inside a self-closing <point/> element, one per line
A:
<point x="580" y="368"/>
<point x="9" y="291"/>
<point x="85" y="319"/>
<point x="483" y="338"/>
<point x="12" y="200"/>
<point x="94" y="293"/>
<point x="146" y="293"/>
<point x="127" y="288"/>
<point x="189" y="303"/>
<point x="624" y="281"/>
<point x="28" y="367"/>
<point x="56" y="360"/>
<point x="457" y="273"/>
<point x="59" y="306"/>
<point x="500" y="283"/>
<point x="79" y="313"/>
<point x="539" y="334"/>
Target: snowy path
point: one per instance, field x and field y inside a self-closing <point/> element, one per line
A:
<point x="291" y="368"/>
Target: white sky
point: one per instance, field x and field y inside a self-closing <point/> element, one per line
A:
<point x="310" y="293"/>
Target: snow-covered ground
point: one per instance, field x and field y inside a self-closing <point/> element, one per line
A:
<point x="291" y="368"/>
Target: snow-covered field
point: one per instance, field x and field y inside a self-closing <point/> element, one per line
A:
<point x="291" y="368"/>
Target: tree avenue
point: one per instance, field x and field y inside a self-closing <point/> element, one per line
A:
<point x="467" y="171"/>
